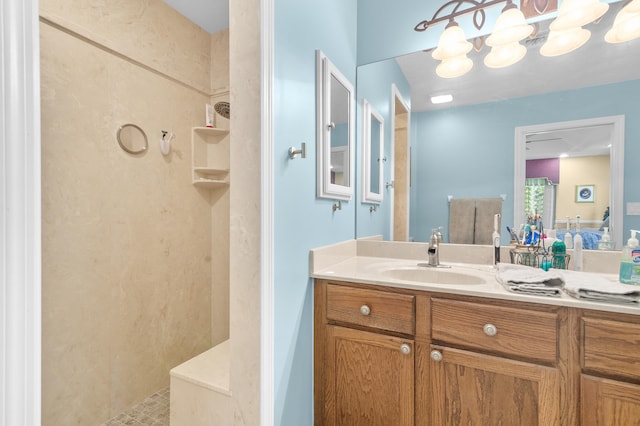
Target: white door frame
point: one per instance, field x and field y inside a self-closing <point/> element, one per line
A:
<point x="20" y="214"/>
<point x="616" y="166"/>
<point x="396" y="95"/>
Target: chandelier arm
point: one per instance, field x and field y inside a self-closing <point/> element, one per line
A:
<point x="477" y="7"/>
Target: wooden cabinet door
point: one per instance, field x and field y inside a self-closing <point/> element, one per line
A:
<point x="609" y="402"/>
<point x="475" y="389"/>
<point x="369" y="379"/>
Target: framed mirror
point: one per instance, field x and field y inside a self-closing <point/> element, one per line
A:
<point x="335" y="131"/>
<point x="372" y="154"/>
<point x="132" y="139"/>
<point x="465" y="148"/>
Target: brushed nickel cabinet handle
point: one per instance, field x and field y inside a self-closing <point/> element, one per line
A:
<point x="405" y="349"/>
<point x="436" y="356"/>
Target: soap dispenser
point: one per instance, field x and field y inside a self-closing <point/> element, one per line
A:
<point x="577" y="247"/>
<point x="630" y="264"/>
<point x="605" y="240"/>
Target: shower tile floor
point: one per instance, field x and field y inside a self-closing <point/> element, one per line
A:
<point x="153" y="411"/>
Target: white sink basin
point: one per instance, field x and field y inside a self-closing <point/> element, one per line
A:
<point x="431" y="275"/>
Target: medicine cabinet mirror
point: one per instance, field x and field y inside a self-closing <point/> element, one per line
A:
<point x="335" y="131"/>
<point x="372" y="154"/>
<point x="132" y="139"/>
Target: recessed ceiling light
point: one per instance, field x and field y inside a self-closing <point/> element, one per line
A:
<point x="441" y="99"/>
<point x="564" y="155"/>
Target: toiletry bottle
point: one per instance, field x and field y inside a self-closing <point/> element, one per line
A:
<point x="496" y="238"/>
<point x="209" y="115"/>
<point x="577" y="247"/>
<point x="568" y="241"/>
<point x="559" y="251"/>
<point x="605" y="241"/>
<point x="630" y="264"/>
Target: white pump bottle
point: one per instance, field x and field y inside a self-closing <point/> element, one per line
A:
<point x="577" y="247"/>
<point x="568" y="240"/>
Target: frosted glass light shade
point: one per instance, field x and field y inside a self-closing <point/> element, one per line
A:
<point x="626" y="26"/>
<point x="633" y="7"/>
<point x="561" y="42"/>
<point x="454" y="67"/>
<point x="503" y="56"/>
<point x="576" y="13"/>
<point x="452" y="43"/>
<point x="510" y="27"/>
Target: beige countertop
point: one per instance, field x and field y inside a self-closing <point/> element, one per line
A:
<point x="370" y="262"/>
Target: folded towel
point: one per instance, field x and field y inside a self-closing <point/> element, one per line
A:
<point x="533" y="289"/>
<point x="583" y="285"/>
<point x="528" y="280"/>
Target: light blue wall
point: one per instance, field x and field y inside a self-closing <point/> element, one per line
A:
<point x="468" y="151"/>
<point x="374" y="85"/>
<point x="301" y="220"/>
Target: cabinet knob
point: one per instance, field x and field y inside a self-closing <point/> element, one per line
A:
<point x="490" y="329"/>
<point x="405" y="349"/>
<point x="365" y="310"/>
<point x="436" y="356"/>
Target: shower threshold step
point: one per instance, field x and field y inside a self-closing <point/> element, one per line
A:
<point x="210" y="369"/>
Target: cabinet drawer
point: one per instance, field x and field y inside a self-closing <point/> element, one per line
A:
<point x="611" y="347"/>
<point x="517" y="332"/>
<point x="371" y="308"/>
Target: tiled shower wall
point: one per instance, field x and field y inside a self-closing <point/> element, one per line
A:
<point x="127" y="240"/>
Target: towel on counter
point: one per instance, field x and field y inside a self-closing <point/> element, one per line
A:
<point x="528" y="280"/>
<point x="587" y="286"/>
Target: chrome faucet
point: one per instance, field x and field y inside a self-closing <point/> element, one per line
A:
<point x="434" y="259"/>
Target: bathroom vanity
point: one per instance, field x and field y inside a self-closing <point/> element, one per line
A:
<point x="392" y="351"/>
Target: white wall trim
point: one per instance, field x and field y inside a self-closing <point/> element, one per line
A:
<point x="20" y="217"/>
<point x="267" y="400"/>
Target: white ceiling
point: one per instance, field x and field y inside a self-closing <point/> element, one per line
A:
<point x="578" y="142"/>
<point x="210" y="15"/>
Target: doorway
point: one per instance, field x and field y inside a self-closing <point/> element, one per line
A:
<point x="401" y="169"/>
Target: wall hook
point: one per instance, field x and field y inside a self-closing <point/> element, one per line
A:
<point x="372" y="209"/>
<point x="337" y="206"/>
<point x="388" y="185"/>
<point x="302" y="151"/>
<point x="165" y="142"/>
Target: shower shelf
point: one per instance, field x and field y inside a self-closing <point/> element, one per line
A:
<point x="210" y="157"/>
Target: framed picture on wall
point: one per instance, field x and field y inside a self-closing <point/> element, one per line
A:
<point x="585" y="193"/>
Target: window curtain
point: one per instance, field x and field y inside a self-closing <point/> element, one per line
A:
<point x="540" y="198"/>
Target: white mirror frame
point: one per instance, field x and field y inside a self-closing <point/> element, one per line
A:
<point x="325" y="71"/>
<point x="368" y="114"/>
<point x="616" y="166"/>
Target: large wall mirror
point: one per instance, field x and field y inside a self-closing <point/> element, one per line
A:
<point x="466" y="148"/>
<point x="335" y="131"/>
<point x="372" y="154"/>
